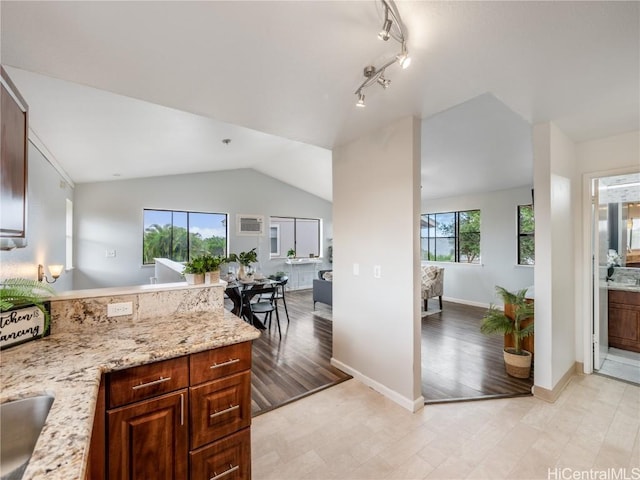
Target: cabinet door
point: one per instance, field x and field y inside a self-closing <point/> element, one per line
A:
<point x="226" y="459"/>
<point x="624" y="327"/>
<point x="150" y="439"/>
<point x="220" y="408"/>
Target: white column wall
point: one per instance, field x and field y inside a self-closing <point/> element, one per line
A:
<point x="555" y="194"/>
<point x="376" y="321"/>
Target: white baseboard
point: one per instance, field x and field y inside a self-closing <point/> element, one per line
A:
<point x="465" y="302"/>
<point x="404" y="402"/>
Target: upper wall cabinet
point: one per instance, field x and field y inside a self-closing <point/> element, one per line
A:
<point x="13" y="168"/>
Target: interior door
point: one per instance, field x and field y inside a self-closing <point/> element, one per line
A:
<point x="600" y="241"/>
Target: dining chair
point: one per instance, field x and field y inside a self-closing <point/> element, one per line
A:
<point x="264" y="305"/>
<point x="280" y="287"/>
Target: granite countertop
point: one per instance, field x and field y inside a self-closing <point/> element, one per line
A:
<point x="627" y="287"/>
<point x="68" y="365"/>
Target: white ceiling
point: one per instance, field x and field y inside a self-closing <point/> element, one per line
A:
<point x="169" y="80"/>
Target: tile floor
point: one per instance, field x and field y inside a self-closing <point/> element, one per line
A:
<point x="351" y="432"/>
<point x="622" y="364"/>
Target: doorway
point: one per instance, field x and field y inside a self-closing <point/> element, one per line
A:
<point x="615" y="239"/>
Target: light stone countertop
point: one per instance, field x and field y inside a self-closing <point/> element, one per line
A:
<point x="68" y="365"/>
<point x="626" y="287"/>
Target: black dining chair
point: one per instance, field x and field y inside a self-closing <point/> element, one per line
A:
<point x="264" y="305"/>
<point x="280" y="288"/>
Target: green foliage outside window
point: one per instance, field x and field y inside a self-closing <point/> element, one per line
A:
<point x="526" y="235"/>
<point x="169" y="240"/>
<point x="451" y="236"/>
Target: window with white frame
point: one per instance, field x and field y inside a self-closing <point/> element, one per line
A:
<point x="301" y="235"/>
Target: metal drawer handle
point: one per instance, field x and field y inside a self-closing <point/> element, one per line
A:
<point x="226" y="410"/>
<point x="148" y="384"/>
<point x="224" y="364"/>
<point x="226" y="472"/>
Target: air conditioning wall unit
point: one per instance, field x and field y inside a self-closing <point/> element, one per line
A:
<point x="250" y="225"/>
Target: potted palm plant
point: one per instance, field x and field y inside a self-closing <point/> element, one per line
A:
<point x="194" y="270"/>
<point x="517" y="361"/>
<point x="245" y="259"/>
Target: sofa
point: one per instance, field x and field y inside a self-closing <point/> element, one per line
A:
<point x="322" y="288"/>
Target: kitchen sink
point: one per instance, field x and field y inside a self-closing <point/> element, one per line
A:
<point x="21" y="422"/>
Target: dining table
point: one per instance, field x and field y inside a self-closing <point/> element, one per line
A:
<point x="239" y="292"/>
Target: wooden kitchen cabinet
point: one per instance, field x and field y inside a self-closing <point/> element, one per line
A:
<point x="187" y="417"/>
<point x="624" y="320"/>
<point x="150" y="439"/>
<point x="228" y="459"/>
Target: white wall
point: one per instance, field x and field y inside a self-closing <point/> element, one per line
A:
<point x="109" y="216"/>
<point x="555" y="207"/>
<point x="46" y="202"/>
<point x="595" y="158"/>
<point x="475" y="284"/>
<point x="376" y="322"/>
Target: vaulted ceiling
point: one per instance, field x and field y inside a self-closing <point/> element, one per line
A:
<point x="148" y="88"/>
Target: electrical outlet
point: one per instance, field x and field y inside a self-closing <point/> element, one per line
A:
<point x="119" y="309"/>
<point x="110" y="253"/>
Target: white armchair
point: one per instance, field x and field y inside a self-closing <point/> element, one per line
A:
<point x="432" y="283"/>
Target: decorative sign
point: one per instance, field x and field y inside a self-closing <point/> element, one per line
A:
<point x="21" y="325"/>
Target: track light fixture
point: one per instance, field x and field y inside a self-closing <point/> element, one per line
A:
<point x="392" y="27"/>
<point x="384" y="33"/>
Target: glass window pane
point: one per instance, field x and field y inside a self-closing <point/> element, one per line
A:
<point x="445" y="224"/>
<point x="526" y="219"/>
<point x="445" y="248"/>
<point x="432" y="249"/>
<point x="470" y="247"/>
<point x="307" y="237"/>
<point x="157" y="235"/>
<point x="527" y="250"/>
<point x="287" y="234"/>
<point x="179" y="251"/>
<point x="207" y="234"/>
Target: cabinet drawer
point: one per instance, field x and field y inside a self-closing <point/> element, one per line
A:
<point x="218" y="363"/>
<point x="219" y="408"/>
<point x="227" y="459"/>
<point x="627" y="298"/>
<point x="146" y="381"/>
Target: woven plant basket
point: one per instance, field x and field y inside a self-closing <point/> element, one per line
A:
<point x="212" y="277"/>
<point x="518" y="366"/>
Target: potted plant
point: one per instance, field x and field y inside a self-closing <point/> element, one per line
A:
<point x="212" y="268"/>
<point x="291" y="253"/>
<point x="245" y="259"/>
<point x="194" y="270"/>
<point x="22" y="292"/>
<point x="517" y="361"/>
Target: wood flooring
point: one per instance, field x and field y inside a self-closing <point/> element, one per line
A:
<point x="298" y="364"/>
<point x="458" y="362"/>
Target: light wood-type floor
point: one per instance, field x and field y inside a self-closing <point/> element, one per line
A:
<point x="351" y="432"/>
